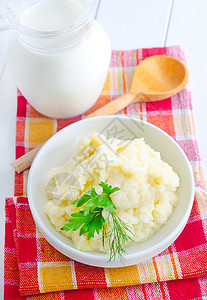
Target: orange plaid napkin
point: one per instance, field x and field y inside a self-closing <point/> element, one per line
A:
<point x="42" y="269"/>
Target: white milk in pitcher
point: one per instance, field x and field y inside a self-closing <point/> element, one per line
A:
<point x="59" y="56"/>
<point x="51" y="15"/>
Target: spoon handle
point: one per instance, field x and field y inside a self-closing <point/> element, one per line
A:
<point x="114" y="106"/>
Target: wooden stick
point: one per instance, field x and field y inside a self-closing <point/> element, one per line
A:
<point x="25" y="161"/>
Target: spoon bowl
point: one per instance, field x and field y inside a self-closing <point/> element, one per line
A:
<point x="159" y="77"/>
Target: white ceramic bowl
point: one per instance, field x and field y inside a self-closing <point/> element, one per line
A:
<point x="57" y="150"/>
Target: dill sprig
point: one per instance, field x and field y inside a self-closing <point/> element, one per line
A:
<point x="90" y="220"/>
<point x="118" y="236"/>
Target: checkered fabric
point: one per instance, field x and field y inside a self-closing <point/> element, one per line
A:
<point x="33" y="266"/>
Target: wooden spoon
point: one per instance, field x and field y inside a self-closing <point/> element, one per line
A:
<point x="156" y="78"/>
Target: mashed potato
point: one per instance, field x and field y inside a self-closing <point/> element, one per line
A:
<point x="147" y="195"/>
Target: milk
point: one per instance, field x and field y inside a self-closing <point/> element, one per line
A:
<point x="50" y="15"/>
<point x="61" y="75"/>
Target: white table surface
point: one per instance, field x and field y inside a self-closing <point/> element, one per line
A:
<point x="130" y="24"/>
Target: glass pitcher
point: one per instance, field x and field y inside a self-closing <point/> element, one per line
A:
<point x="58" y="54"/>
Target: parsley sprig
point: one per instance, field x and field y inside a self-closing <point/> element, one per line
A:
<point x="91" y="220"/>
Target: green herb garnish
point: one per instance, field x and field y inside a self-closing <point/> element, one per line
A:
<point x="91" y="220"/>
